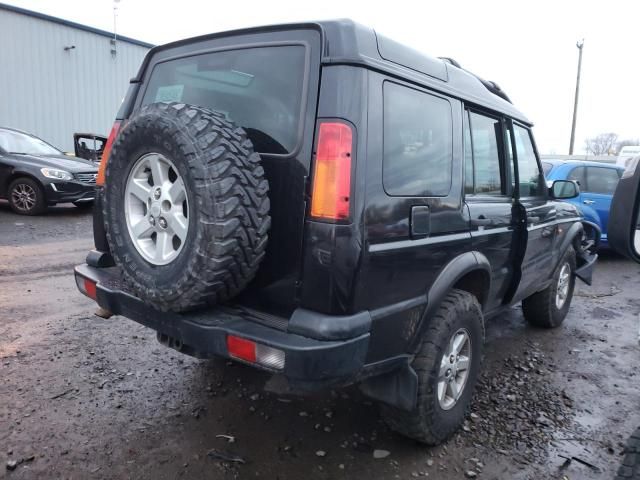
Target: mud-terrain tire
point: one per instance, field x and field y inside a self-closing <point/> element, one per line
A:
<point x="224" y="203"/>
<point x="26" y="197"/>
<point x="630" y="467"/>
<point x="541" y="309"/>
<point x="430" y="422"/>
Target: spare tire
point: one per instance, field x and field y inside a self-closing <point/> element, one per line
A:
<point x="185" y="206"/>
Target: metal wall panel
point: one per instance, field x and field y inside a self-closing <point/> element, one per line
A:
<point x="53" y="93"/>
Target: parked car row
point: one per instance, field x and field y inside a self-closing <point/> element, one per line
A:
<point x="35" y="174"/>
<point x="597" y="181"/>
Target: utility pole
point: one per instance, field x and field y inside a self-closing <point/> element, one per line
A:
<point x="579" y="44"/>
<point x="114" y="40"/>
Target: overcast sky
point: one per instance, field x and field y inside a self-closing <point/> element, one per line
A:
<point x="529" y="48"/>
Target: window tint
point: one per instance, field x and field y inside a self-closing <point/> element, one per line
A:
<point x="417" y="143"/>
<point x="602" y="180"/>
<point x="578" y="174"/>
<point x="528" y="171"/>
<point x="546" y="167"/>
<point x="486" y="136"/>
<point x="258" y="88"/>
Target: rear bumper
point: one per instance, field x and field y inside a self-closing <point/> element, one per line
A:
<point x="314" y="357"/>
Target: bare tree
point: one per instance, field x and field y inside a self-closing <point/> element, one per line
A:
<point x="630" y="142"/>
<point x="603" y="144"/>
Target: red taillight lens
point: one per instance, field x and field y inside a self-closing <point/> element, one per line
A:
<point x="253" y="352"/>
<point x="241" y="348"/>
<point x="107" y="151"/>
<point x="331" y="191"/>
<point x="86" y="286"/>
<point x="90" y="288"/>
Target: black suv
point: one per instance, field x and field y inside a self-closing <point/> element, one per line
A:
<point x="319" y="201"/>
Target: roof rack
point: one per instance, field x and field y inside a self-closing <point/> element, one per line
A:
<point x="493" y="87"/>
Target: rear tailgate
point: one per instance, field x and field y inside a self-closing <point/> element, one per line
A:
<point x="267" y="81"/>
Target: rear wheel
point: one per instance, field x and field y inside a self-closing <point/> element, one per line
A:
<point x="548" y="308"/>
<point x="447" y="365"/>
<point x="26" y="197"/>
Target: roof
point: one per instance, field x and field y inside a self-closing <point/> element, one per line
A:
<point x="347" y="42"/>
<point x="67" y="23"/>
<point x="582" y="163"/>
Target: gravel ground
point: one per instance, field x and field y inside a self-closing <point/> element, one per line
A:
<point x="84" y="397"/>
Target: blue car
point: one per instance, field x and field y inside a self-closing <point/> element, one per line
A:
<point x="597" y="183"/>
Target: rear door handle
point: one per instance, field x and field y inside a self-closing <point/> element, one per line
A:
<point x="588" y="202"/>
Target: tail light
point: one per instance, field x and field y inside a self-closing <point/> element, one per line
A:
<point x="107" y="151"/>
<point x="331" y="191"/>
<point x="253" y="352"/>
<point x="86" y="286"/>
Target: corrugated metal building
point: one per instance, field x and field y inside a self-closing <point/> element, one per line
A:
<point x="59" y="77"/>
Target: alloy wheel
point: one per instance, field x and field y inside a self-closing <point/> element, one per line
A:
<point x="454" y="369"/>
<point x="156" y="209"/>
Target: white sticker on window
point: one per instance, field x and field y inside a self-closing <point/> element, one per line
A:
<point x="170" y="93"/>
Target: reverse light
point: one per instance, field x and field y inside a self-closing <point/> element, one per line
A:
<point x="331" y="192"/>
<point x="107" y="151"/>
<point x="253" y="352"/>
<point x="86" y="286"/>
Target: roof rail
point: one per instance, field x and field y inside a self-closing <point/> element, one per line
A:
<point x="493" y="87"/>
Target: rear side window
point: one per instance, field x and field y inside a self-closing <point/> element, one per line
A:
<point x="259" y="89"/>
<point x="602" y="180"/>
<point x="417" y="143"/>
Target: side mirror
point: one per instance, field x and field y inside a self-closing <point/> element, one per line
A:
<point x="624" y="228"/>
<point x="564" y="189"/>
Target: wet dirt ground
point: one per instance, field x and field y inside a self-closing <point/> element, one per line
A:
<point x="84" y="397"/>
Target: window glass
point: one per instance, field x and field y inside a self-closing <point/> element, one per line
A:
<point x="17" y="142"/>
<point x="417" y="143"/>
<point x="578" y="174"/>
<point x="486" y="135"/>
<point x="528" y="171"/>
<point x="259" y="89"/>
<point x="468" y="157"/>
<point x="602" y="180"/>
<point x="546" y="167"/>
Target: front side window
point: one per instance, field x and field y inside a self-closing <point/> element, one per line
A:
<point x="602" y="180"/>
<point x="417" y="141"/>
<point x="579" y="175"/>
<point x="486" y="138"/>
<point x="531" y="183"/>
<point x="260" y="89"/>
<point x="546" y="168"/>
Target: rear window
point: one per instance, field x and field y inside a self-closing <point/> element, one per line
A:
<point x="258" y="88"/>
<point x="417" y="143"/>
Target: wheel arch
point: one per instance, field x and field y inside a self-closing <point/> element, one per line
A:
<point x="15" y="175"/>
<point x="471" y="272"/>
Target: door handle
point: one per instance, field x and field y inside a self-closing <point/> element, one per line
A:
<point x="588" y="202"/>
